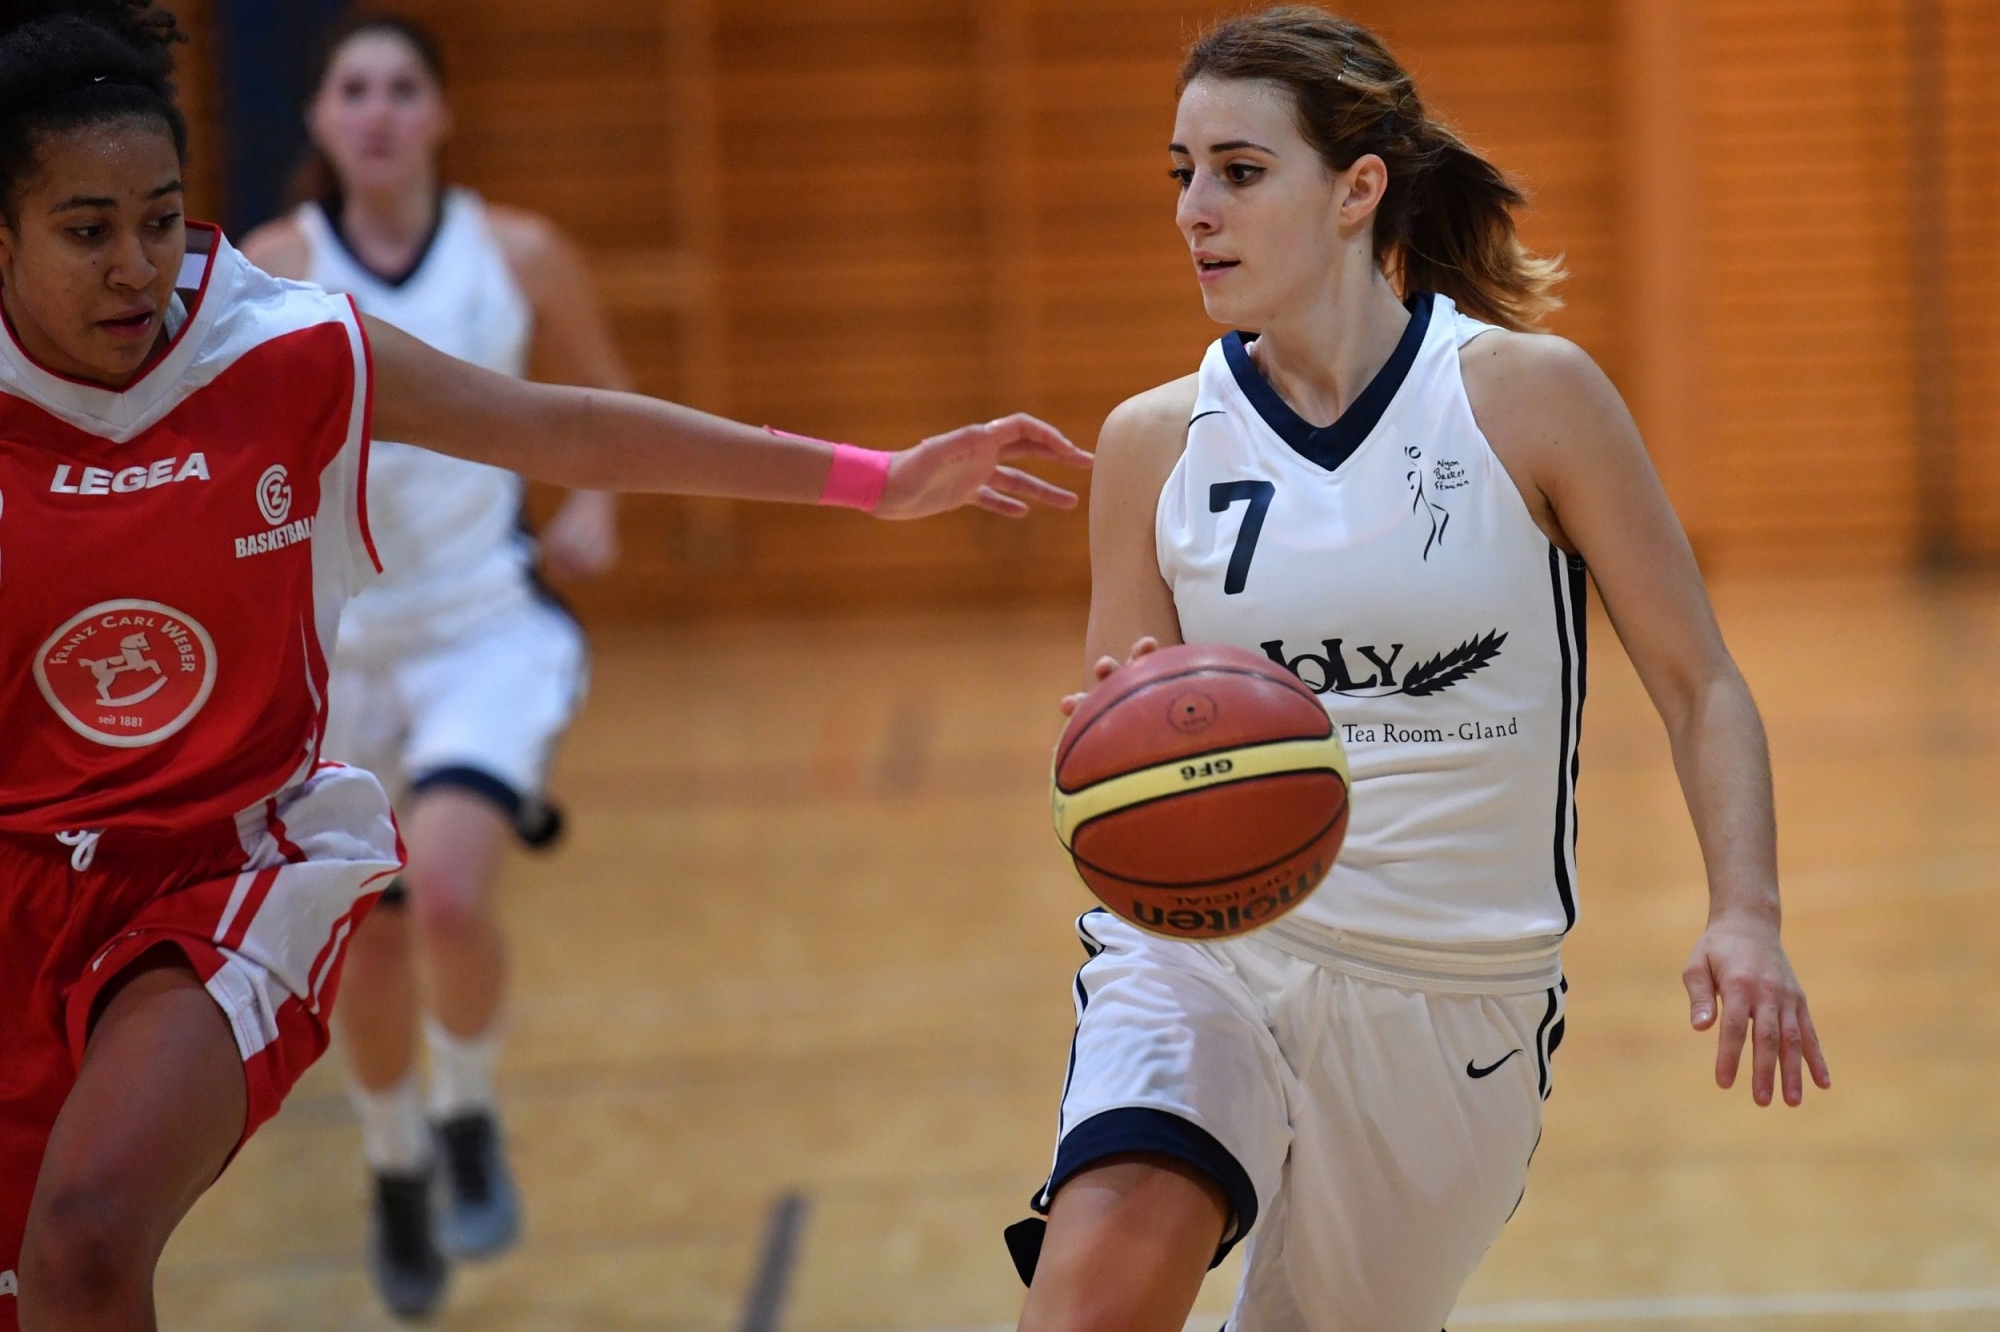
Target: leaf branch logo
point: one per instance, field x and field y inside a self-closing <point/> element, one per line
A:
<point x="1331" y="672"/>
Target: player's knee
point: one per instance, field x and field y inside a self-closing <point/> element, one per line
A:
<point x="382" y="942"/>
<point x="448" y="904"/>
<point x="82" y="1252"/>
<point x="1099" y="1301"/>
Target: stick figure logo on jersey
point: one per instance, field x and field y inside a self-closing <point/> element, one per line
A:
<point x="1421" y="502"/>
<point x="127" y="673"/>
<point x="274" y="494"/>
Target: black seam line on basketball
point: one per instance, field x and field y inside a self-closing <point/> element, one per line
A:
<point x="1197" y="757"/>
<point x="1213" y="786"/>
<point x="1197" y="885"/>
<point x="1188" y="674"/>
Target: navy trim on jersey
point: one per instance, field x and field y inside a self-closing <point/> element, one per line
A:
<point x="473" y="781"/>
<point x="1548" y="1036"/>
<point x="1024" y="1238"/>
<point x="1566" y="579"/>
<point x="1122" y="1132"/>
<point x="1131" y="1130"/>
<point x="332" y="206"/>
<point x="1330" y="446"/>
<point x="1091" y="948"/>
<point x="536" y="821"/>
<point x="538" y="583"/>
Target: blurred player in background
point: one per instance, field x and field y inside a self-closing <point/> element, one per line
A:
<point x="1391" y="489"/>
<point x="457" y="672"/>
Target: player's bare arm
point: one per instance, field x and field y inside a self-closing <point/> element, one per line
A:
<point x="1563" y="433"/>
<point x="1131" y="607"/>
<point x="281" y="249"/>
<point x="591" y="439"/>
<point x="573" y="344"/>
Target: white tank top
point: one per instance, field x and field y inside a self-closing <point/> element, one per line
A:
<point x="1388" y="562"/>
<point x="448" y="531"/>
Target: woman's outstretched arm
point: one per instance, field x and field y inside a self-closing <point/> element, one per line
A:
<point x="593" y="439"/>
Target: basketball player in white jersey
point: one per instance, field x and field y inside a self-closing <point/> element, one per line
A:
<point x="456" y="674"/>
<point x="1393" y="488"/>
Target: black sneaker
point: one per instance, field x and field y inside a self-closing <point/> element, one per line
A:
<point x="482" y="1215"/>
<point x="410" y="1270"/>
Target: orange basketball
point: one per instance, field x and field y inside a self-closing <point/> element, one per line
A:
<point x="1201" y="791"/>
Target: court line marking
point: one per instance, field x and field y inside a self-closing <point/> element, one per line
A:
<point x="1662" y="1308"/>
<point x="1668" y="1308"/>
<point x="764" y="1304"/>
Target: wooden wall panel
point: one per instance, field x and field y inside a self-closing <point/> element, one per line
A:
<point x="1972" y="101"/>
<point x="194" y="77"/>
<point x="925" y="212"/>
<point x="878" y="218"/>
<point x="1807" y="446"/>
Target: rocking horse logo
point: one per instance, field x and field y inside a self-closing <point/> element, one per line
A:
<point x="133" y="659"/>
<point x="127" y="673"/>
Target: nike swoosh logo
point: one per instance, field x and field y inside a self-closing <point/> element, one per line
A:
<point x="1473" y="1070"/>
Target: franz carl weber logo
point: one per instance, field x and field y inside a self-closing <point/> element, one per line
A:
<point x="1331" y="671"/>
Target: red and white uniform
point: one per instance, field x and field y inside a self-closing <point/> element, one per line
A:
<point x="173" y="562"/>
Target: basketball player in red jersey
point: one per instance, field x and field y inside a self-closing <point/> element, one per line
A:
<point x="183" y="445"/>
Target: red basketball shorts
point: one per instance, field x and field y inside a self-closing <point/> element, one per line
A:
<point x="262" y="909"/>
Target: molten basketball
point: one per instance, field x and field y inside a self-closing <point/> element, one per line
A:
<point x="1201" y="791"/>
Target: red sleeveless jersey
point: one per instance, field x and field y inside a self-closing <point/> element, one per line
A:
<point x="174" y="557"/>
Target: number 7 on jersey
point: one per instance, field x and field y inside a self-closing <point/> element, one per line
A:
<point x="1225" y="493"/>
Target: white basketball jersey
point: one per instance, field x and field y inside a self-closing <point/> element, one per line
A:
<point x="1388" y="561"/>
<point x="448" y="530"/>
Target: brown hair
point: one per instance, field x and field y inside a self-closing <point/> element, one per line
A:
<point x="316" y="181"/>
<point x="1446" y="223"/>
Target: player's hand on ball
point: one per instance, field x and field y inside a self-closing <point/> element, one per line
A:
<point x="967" y="466"/>
<point x="1104" y="669"/>
<point x="1739" y="973"/>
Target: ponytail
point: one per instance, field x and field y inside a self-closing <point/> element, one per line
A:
<point x="1446" y="223"/>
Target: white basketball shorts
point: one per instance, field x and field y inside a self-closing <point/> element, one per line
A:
<point x="1372" y="1138"/>
<point x="482" y="710"/>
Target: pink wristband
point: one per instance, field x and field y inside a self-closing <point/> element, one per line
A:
<point x="857" y="477"/>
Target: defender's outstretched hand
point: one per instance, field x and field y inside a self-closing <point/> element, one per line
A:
<point x="1742" y="964"/>
<point x="967" y="466"/>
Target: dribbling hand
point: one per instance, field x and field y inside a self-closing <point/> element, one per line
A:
<point x="1104" y="669"/>
<point x="966" y="466"/>
<point x="1740" y="962"/>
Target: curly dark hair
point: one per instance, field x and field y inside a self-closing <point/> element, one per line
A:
<point x="68" y="64"/>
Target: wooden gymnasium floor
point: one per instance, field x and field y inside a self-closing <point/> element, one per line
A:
<point x="811" y="933"/>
